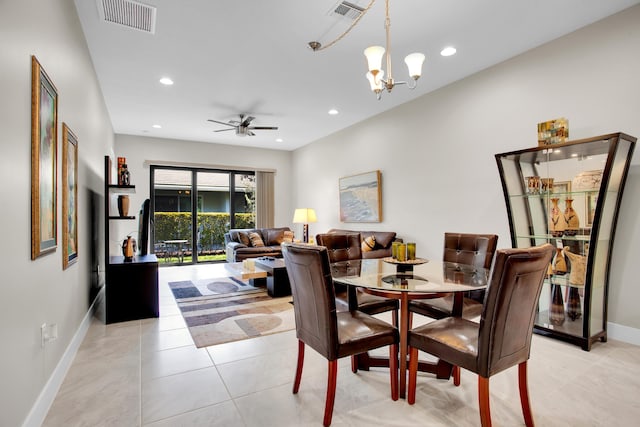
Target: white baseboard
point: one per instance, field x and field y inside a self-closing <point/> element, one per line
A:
<point x="48" y="394"/>
<point x="623" y="333"/>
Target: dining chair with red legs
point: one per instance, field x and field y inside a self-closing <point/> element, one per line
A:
<point x="334" y="334"/>
<point x="502" y="339"/>
<point x="462" y="248"/>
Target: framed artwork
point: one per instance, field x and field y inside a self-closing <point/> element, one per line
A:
<point x="361" y="198"/>
<point x="591" y="200"/>
<point x="69" y="197"/>
<point x="562" y="187"/>
<point x="44" y="152"/>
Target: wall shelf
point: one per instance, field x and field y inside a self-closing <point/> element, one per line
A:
<point x="131" y="288"/>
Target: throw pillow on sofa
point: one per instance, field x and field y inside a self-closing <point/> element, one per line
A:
<point x="288" y="237"/>
<point x="256" y="240"/>
<point x="244" y="238"/>
<point x="368" y="243"/>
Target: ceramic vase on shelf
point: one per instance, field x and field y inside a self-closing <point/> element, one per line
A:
<point x="574" y="310"/>
<point x="123" y="205"/>
<point x="559" y="264"/>
<point x="556" y="309"/>
<point x="557" y="223"/>
<point x="571" y="219"/>
<point x="578" y="267"/>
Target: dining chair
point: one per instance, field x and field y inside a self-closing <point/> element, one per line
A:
<point x="319" y="325"/>
<point x="348" y="247"/>
<point x="470" y="249"/>
<point x="502" y="339"/>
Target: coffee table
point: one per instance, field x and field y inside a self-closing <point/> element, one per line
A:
<point x="277" y="277"/>
<point x="238" y="270"/>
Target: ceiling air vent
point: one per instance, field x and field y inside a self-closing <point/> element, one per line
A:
<point x="347" y="10"/>
<point x="128" y="13"/>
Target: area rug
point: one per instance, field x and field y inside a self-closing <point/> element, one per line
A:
<point x="227" y="309"/>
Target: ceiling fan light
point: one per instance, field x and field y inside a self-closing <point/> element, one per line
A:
<point x="374" y="58"/>
<point x="375" y="81"/>
<point x="414" y="63"/>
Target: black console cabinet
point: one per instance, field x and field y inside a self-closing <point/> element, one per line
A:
<point x="131" y="288"/>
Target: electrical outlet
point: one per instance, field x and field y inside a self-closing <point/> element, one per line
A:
<point x="43" y="334"/>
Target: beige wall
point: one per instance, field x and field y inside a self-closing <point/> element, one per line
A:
<point x="436" y="154"/>
<point x="36" y="292"/>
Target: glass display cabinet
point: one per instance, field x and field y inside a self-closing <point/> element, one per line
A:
<point x="569" y="195"/>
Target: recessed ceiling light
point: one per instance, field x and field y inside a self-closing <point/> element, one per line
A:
<point x="279" y="140"/>
<point x="156" y="127"/>
<point x="333" y="112"/>
<point x="166" y="81"/>
<point x="448" y="51"/>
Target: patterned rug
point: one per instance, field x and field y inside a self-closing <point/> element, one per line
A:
<point x="227" y="309"/>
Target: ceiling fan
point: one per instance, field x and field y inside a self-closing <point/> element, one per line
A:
<point x="242" y="127"/>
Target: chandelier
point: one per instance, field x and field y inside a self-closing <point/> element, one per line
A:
<point x="376" y="74"/>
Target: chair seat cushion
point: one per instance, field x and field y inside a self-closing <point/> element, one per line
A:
<point x="359" y="332"/>
<point x="439" y="308"/>
<point x="453" y="339"/>
<point x="367" y="303"/>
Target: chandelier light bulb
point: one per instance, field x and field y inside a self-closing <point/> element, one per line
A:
<point x="414" y="63"/>
<point x="374" y="57"/>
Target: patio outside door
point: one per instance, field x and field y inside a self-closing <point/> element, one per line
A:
<point x="193" y="209"/>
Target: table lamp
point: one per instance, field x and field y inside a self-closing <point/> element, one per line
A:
<point x="304" y="216"/>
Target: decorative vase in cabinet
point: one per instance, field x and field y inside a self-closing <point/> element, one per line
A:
<point x="557" y="223"/>
<point x="571" y="219"/>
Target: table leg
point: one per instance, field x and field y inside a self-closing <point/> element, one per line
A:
<point x="404" y="332"/>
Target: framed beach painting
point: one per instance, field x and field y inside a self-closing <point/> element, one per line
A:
<point x="361" y="198"/>
<point x="44" y="152"/>
<point x="69" y="197"/>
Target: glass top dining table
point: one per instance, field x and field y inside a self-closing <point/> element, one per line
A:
<point x="420" y="279"/>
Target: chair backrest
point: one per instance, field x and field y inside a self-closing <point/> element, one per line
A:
<point x="314" y="302"/>
<point x="506" y="323"/>
<point x="341" y="246"/>
<point x="470" y="249"/>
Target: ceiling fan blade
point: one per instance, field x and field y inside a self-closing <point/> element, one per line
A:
<point x="222" y="123"/>
<point x="223" y="130"/>
<point x="264" y="127"/>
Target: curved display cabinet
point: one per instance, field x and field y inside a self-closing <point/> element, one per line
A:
<point x="584" y="181"/>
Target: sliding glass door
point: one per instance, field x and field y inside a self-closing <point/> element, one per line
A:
<point x="193" y="208"/>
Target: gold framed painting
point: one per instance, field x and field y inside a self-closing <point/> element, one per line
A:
<point x="361" y="198"/>
<point x="69" y="197"/>
<point x="44" y="152"/>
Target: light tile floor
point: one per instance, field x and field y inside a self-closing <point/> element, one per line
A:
<point x="149" y="373"/>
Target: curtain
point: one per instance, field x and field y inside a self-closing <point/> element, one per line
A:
<point x="264" y="199"/>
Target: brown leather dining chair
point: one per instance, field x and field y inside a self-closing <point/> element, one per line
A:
<point x="319" y="325"/>
<point x="502" y="339"/>
<point x="348" y="247"/>
<point x="470" y="249"/>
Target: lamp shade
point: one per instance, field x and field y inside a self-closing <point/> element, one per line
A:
<point x="304" y="216"/>
<point x="414" y="63"/>
<point x="374" y="58"/>
<point x="375" y="81"/>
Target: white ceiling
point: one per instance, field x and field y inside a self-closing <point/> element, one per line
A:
<point x="249" y="56"/>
